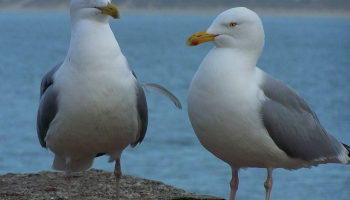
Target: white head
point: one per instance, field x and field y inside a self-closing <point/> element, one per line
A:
<point x="91" y="34"/>
<point x="238" y="28"/>
<point x="98" y="10"/>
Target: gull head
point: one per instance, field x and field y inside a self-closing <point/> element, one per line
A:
<point x="99" y="10"/>
<point x="238" y="28"/>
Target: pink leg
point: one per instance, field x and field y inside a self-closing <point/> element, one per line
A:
<point x="118" y="175"/>
<point x="268" y="183"/>
<point x="68" y="177"/>
<point x="234" y="184"/>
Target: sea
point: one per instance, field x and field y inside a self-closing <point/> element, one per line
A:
<point x="311" y="54"/>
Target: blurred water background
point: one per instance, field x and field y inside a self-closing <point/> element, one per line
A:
<point x="310" y="54"/>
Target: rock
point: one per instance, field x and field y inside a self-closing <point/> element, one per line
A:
<point x="91" y="184"/>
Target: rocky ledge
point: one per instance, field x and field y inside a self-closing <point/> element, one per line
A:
<point x="91" y="184"/>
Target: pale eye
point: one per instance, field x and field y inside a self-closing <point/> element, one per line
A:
<point x="232" y="25"/>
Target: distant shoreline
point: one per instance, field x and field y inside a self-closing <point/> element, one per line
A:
<point x="292" y="8"/>
<point x="280" y="12"/>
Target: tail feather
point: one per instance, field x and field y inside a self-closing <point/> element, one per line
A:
<point x="59" y="163"/>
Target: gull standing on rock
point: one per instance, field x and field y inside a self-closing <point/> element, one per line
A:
<point x="244" y="116"/>
<point x="92" y="104"/>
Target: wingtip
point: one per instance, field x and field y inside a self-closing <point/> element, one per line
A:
<point x="160" y="89"/>
<point x="347" y="147"/>
<point x="178" y="105"/>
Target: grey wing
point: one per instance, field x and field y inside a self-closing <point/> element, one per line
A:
<point x="142" y="110"/>
<point x="293" y="125"/>
<point x="48" y="105"/>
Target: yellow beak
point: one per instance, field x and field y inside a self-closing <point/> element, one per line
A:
<point x="110" y="10"/>
<point x="199" y="38"/>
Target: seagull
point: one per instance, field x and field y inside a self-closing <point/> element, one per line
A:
<point x="91" y="104"/>
<point x="244" y="116"/>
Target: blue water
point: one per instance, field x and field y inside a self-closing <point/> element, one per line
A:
<point x="310" y="54"/>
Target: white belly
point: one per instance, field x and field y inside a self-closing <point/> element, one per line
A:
<point x="225" y="117"/>
<point x="97" y="114"/>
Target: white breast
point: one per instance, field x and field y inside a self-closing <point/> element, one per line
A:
<point x="223" y="106"/>
<point x="97" y="109"/>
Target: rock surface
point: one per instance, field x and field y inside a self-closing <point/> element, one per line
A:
<point x="91" y="184"/>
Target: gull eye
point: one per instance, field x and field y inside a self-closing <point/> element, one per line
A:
<point x="232" y="25"/>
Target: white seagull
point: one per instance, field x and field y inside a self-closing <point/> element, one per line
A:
<point x="244" y="116"/>
<point x="92" y="104"/>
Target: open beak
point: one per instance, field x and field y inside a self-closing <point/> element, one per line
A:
<point x="110" y="10"/>
<point x="199" y="38"/>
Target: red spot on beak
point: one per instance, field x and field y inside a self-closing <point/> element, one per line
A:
<point x="195" y="43"/>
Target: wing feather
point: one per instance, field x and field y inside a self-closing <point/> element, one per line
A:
<point x="293" y="125"/>
<point x="48" y="104"/>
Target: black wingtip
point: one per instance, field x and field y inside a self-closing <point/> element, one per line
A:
<point x="347" y="147"/>
<point x="99" y="154"/>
